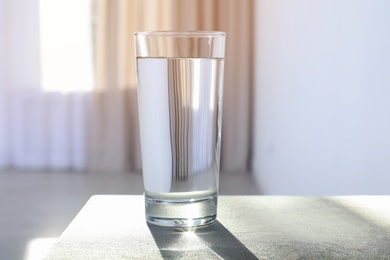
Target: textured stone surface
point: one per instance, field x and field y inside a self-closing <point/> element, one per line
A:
<point x="248" y="227"/>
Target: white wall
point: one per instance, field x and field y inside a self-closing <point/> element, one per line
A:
<point x="322" y="97"/>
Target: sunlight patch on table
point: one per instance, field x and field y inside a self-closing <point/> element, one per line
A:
<point x="377" y="210"/>
<point x="38" y="248"/>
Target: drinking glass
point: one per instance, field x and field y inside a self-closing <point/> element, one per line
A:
<point x="180" y="85"/>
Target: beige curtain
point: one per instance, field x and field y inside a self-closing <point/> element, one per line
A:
<point x="113" y="127"/>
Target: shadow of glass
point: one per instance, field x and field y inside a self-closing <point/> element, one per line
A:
<point x="211" y="242"/>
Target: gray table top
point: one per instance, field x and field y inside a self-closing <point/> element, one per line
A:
<point x="247" y="227"/>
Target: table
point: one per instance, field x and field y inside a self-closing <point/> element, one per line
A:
<point x="247" y="227"/>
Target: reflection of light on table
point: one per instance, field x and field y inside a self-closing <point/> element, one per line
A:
<point x="38" y="248"/>
<point x="187" y="245"/>
<point x="374" y="211"/>
<point x="186" y="241"/>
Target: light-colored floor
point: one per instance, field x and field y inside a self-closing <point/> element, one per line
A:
<point x="38" y="205"/>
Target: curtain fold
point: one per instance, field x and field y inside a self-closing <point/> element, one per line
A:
<point x="113" y="128"/>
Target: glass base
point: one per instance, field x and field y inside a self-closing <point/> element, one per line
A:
<point x="181" y="223"/>
<point x="181" y="212"/>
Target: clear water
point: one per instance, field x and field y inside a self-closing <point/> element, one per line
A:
<point x="180" y="121"/>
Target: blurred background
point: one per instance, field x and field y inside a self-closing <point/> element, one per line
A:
<point x="69" y="100"/>
<point x="306" y="101"/>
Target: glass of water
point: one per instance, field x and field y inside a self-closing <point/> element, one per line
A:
<point x="180" y="85"/>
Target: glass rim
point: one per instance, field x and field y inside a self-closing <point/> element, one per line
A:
<point x="183" y="34"/>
